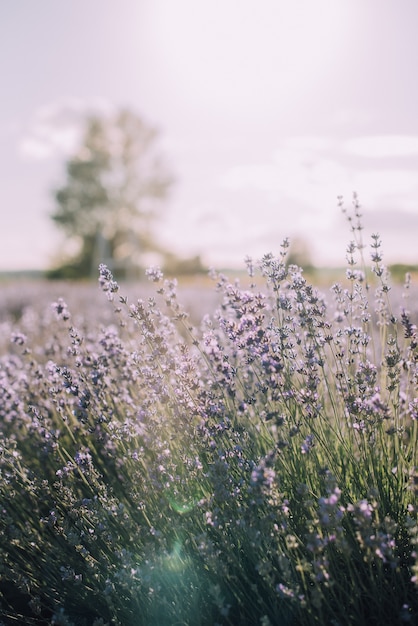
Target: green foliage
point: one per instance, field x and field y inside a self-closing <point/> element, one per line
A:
<point x="398" y="271"/>
<point x="299" y="254"/>
<point x="175" y="266"/>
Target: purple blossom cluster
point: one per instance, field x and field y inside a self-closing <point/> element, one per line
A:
<point x="259" y="467"/>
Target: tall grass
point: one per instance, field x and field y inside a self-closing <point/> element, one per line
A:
<point x="259" y="469"/>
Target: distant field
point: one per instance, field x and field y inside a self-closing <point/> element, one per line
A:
<point x="197" y="293"/>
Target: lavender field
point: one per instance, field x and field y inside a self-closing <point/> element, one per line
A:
<point x="211" y="456"/>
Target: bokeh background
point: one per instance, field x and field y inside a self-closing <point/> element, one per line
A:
<point x="267" y="111"/>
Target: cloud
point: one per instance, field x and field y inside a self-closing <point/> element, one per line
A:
<point x="350" y="117"/>
<point x="35" y="148"/>
<point x="300" y="174"/>
<point x="309" y="142"/>
<point x="46" y="142"/>
<point x="395" y="222"/>
<point x="56" y="128"/>
<point x="382" y="146"/>
<point x="389" y="186"/>
<point x="301" y="182"/>
<point x="313" y="171"/>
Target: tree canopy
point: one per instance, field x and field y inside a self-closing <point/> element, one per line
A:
<point x="116" y="184"/>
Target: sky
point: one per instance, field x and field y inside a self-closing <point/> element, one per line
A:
<point x="267" y="111"/>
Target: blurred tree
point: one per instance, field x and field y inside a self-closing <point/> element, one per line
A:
<point x="115" y="186"/>
<point x="300" y="254"/>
